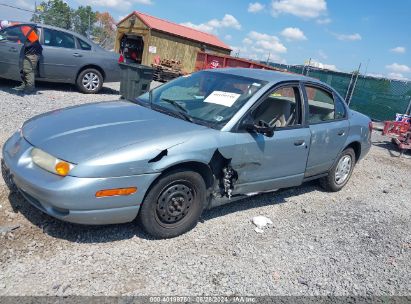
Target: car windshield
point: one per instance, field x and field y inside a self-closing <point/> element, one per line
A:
<point x="204" y="97"/>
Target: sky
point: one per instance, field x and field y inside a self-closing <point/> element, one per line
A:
<point x="334" y="34"/>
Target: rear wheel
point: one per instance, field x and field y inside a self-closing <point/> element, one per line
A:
<point x="341" y="172"/>
<point x="90" y="81"/>
<point x="173" y="205"/>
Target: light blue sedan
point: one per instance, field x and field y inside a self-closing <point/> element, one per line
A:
<point x="199" y="141"/>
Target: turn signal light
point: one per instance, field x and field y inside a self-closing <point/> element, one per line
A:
<point x="62" y="168"/>
<point x="116" y="192"/>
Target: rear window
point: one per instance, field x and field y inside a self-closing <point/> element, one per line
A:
<point x="321" y="105"/>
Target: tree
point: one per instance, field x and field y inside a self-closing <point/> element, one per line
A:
<point x="104" y="31"/>
<point x="84" y="19"/>
<point x="54" y="12"/>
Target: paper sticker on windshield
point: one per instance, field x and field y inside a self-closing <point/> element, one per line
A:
<point x="226" y="99"/>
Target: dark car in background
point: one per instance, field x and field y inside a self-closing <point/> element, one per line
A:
<point x="67" y="58"/>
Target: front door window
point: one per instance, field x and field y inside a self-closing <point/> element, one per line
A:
<point x="280" y="109"/>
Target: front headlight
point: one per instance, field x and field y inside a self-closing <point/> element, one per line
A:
<point x="50" y="163"/>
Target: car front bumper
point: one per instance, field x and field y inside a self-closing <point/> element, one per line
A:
<point x="70" y="198"/>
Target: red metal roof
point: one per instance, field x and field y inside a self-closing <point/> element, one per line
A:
<point x="178" y="30"/>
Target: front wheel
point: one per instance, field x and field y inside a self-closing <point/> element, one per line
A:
<point x="173" y="205"/>
<point x="90" y="81"/>
<point x="341" y="172"/>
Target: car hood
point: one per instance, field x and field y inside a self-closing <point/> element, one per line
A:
<point x="83" y="132"/>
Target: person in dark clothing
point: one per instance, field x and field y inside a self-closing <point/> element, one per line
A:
<point x="32" y="51"/>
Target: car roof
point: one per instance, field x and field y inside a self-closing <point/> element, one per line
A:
<point x="266" y="75"/>
<point x="61" y="30"/>
<point x="40" y="25"/>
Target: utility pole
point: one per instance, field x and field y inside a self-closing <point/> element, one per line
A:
<point x="408" y="111"/>
<point x="350" y="91"/>
<point x="308" y="67"/>
<point x="268" y="58"/>
<point x="89" y="22"/>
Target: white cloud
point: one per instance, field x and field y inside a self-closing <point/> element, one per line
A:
<point x="397" y="76"/>
<point x="324" y="21"/>
<point x="228" y="37"/>
<point x="398" y="68"/>
<point x="247" y="41"/>
<point x="375" y="75"/>
<point x="320" y="65"/>
<point x="228" y="21"/>
<point x="144" y="2"/>
<point x="260" y="46"/>
<point x="348" y="37"/>
<point x="293" y="33"/>
<point x="255" y="7"/>
<point x="266" y="43"/>
<point x="201" y="27"/>
<point x="121" y="4"/>
<point x="299" y="8"/>
<point x="399" y="50"/>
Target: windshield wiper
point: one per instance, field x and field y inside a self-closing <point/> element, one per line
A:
<point x="175" y="103"/>
<point x="182" y="113"/>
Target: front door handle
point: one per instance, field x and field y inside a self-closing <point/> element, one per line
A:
<point x="299" y="143"/>
<point x="77" y="55"/>
<point x="341" y="133"/>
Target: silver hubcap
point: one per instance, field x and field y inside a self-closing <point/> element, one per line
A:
<point x="343" y="169"/>
<point x="91" y="81"/>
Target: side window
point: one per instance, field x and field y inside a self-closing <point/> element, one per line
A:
<point x="281" y="108"/>
<point x="321" y="105"/>
<point x="339" y="108"/>
<point x="13" y="34"/>
<point x="83" y="45"/>
<point x="58" y="39"/>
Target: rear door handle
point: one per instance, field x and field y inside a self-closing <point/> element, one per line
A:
<point x="77" y="55"/>
<point x="341" y="133"/>
<point x="299" y="143"/>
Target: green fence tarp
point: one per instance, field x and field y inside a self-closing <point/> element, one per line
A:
<point x="379" y="98"/>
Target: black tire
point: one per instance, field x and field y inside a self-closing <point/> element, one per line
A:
<point x="173" y="205"/>
<point x="92" y="87"/>
<point x="331" y="182"/>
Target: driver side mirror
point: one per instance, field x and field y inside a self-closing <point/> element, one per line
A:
<point x="261" y="127"/>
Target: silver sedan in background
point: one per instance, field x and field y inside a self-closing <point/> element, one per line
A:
<point x="67" y="58"/>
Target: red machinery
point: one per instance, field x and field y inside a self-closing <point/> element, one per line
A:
<point x="400" y="131"/>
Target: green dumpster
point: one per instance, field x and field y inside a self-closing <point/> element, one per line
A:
<point x="135" y="80"/>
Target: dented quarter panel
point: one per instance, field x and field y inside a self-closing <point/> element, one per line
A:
<point x="359" y="132"/>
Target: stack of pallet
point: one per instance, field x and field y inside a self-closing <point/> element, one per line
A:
<point x="166" y="70"/>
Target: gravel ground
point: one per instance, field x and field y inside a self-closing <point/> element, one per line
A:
<point x="355" y="242"/>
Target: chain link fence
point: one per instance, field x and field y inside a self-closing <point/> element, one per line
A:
<point x="379" y="98"/>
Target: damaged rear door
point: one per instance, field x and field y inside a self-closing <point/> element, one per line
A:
<point x="266" y="163"/>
